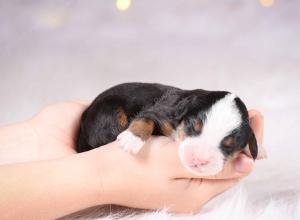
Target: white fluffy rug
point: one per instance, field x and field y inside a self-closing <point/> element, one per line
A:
<point x="235" y="205"/>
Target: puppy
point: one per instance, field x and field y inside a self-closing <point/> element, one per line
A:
<point x="211" y="126"/>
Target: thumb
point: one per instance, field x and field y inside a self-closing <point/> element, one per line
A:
<point x="202" y="193"/>
<point x="212" y="188"/>
<point x="237" y="167"/>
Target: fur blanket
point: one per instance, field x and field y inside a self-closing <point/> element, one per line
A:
<point x="235" y="204"/>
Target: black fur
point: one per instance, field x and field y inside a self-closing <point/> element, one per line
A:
<point x="159" y="103"/>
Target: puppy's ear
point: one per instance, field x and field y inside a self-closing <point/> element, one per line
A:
<point x="252" y="148"/>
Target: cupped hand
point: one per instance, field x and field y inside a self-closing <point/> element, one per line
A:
<point x="55" y="129"/>
<point x="155" y="178"/>
<point x="48" y="135"/>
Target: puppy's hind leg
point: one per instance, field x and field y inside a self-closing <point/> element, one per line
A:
<point x="139" y="131"/>
<point x="101" y="124"/>
<point x="142" y="127"/>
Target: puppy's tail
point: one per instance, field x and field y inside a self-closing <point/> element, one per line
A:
<point x="82" y="144"/>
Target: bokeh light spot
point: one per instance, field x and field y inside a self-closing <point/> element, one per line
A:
<point x="266" y="3"/>
<point x="123" y="5"/>
<point x="55" y="18"/>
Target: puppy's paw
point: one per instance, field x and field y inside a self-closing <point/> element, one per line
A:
<point x="130" y="142"/>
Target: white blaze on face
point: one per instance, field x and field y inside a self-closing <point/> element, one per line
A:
<point x="202" y="154"/>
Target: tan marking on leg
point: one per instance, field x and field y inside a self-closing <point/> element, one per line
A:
<point x="166" y="128"/>
<point x="142" y="128"/>
<point x="122" y="118"/>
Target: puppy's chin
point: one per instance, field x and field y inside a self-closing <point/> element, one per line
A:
<point x="212" y="165"/>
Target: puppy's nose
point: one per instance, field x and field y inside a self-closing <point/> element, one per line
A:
<point x="199" y="162"/>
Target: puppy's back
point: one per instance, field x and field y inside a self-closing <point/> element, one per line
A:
<point x="111" y="112"/>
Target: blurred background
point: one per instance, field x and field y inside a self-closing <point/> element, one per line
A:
<point x="57" y="50"/>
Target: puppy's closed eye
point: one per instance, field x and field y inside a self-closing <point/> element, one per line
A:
<point x="197" y="124"/>
<point x="228" y="145"/>
<point x="228" y="142"/>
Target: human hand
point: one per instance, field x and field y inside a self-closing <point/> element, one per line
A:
<point x="56" y="129"/>
<point x="155" y="178"/>
<point x="152" y="181"/>
<point x="49" y="134"/>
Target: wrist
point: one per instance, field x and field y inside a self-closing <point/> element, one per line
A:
<point x="104" y="168"/>
<point x="93" y="168"/>
<point x="88" y="182"/>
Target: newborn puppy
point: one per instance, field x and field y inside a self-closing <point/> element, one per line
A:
<point x="211" y="126"/>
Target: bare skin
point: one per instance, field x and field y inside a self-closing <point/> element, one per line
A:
<point x="42" y="177"/>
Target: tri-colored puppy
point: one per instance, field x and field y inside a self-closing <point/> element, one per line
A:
<point x="210" y="125"/>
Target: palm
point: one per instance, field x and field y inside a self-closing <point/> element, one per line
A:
<point x="56" y="128"/>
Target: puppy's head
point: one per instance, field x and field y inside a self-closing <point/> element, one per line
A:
<point x="209" y="136"/>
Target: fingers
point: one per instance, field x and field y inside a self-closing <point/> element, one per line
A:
<point x="257" y="124"/>
<point x="238" y="167"/>
<point x="253" y="112"/>
<point x="211" y="188"/>
<point x="198" y="192"/>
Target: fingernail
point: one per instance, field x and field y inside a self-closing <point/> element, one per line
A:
<point x="243" y="164"/>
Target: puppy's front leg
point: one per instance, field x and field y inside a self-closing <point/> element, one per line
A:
<point x="139" y="131"/>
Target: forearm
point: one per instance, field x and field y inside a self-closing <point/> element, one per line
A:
<point x="47" y="189"/>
